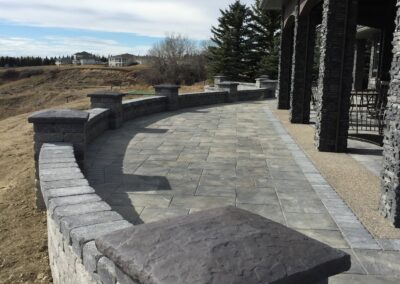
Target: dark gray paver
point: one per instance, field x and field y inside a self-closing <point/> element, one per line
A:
<point x="213" y="145"/>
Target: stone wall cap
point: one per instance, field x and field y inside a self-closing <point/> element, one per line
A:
<point x="167" y="86"/>
<point x="227" y="83"/>
<point x="59" y="115"/>
<point x="223" y="245"/>
<point x="106" y="94"/>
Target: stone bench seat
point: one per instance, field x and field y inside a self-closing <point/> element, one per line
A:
<point x="223" y="245"/>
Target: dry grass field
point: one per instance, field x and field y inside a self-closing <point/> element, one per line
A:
<point x="23" y="236"/>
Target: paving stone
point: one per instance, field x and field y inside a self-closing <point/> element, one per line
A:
<point x="204" y="190"/>
<point x="329" y="237"/>
<point x="257" y="196"/>
<point x="310" y="221"/>
<point x="270" y="211"/>
<point x="200" y="202"/>
<point x="155" y="214"/>
<point x="363" y="279"/>
<point x="379" y="262"/>
<point x="142" y="200"/>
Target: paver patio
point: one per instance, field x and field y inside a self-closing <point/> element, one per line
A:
<point x="172" y="164"/>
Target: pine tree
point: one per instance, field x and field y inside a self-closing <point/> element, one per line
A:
<point x="266" y="27"/>
<point x="228" y="54"/>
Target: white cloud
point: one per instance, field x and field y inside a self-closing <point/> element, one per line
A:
<point x="144" y="17"/>
<point x="55" y="46"/>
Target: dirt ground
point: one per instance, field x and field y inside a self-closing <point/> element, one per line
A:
<point x="352" y="181"/>
<point x="23" y="235"/>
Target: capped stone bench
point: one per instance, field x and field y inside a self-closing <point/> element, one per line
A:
<point x="223" y="245"/>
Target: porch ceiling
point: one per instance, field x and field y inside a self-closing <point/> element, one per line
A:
<point x="272" y="4"/>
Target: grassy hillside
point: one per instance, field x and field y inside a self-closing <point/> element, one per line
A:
<point x="23" y="233"/>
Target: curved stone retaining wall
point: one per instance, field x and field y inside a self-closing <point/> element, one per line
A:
<point x="76" y="215"/>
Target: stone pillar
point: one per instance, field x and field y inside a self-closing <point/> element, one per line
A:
<point x="285" y="67"/>
<point x="231" y="88"/>
<point x="390" y="184"/>
<point x="302" y="65"/>
<point x="218" y="79"/>
<point x="359" y="64"/>
<point x="261" y="79"/>
<point x="171" y="92"/>
<point x="338" y="31"/>
<point x="58" y="125"/>
<point x="112" y="101"/>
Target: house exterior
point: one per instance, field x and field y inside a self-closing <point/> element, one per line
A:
<point x="84" y="58"/>
<point x="350" y="30"/>
<point x="121" y="60"/>
<point x="63" y="61"/>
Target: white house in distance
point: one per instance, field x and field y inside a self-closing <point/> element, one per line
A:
<point x="121" y="60"/>
<point x="84" y="58"/>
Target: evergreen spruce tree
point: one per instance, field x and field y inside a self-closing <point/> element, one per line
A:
<point x="229" y="53"/>
<point x="266" y="26"/>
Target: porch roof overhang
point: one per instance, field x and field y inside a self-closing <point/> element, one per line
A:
<point x="272" y="4"/>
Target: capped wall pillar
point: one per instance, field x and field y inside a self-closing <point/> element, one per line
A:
<point x="231" y="88"/>
<point x="390" y="184"/>
<point x="285" y="67"/>
<point x="112" y="101"/>
<point x="58" y="125"/>
<point x="338" y="32"/>
<point x="302" y="67"/>
<point x="218" y="79"/>
<point x="171" y="92"/>
<point x="359" y="64"/>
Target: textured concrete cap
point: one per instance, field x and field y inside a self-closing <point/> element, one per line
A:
<point x="59" y="115"/>
<point x="106" y="94"/>
<point x="223" y="245"/>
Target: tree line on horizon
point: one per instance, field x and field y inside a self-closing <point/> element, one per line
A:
<point x="22" y="61"/>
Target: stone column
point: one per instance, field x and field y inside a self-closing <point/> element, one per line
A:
<point x="261" y="79"/>
<point x="218" y="79"/>
<point x="338" y="31"/>
<point x="302" y="66"/>
<point x="231" y="88"/>
<point x="390" y="184"/>
<point x="58" y="125"/>
<point x="171" y="92"/>
<point x="112" y="101"/>
<point x="359" y="64"/>
<point x="285" y="67"/>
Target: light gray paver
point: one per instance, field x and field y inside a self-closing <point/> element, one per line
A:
<point x="239" y="154"/>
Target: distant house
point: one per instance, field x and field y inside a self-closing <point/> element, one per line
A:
<point x="63" y="61"/>
<point x="121" y="60"/>
<point x="84" y="58"/>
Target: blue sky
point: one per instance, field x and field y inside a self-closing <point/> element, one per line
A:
<point x="55" y="27"/>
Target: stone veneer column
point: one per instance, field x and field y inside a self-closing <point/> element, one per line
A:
<point x="285" y="67"/>
<point x="359" y="64"/>
<point x="302" y="66"/>
<point x="218" y="79"/>
<point x="171" y="92"/>
<point x="231" y="88"/>
<point x="338" y="31"/>
<point x="390" y="184"/>
<point x="112" y="101"/>
<point x="58" y="125"/>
